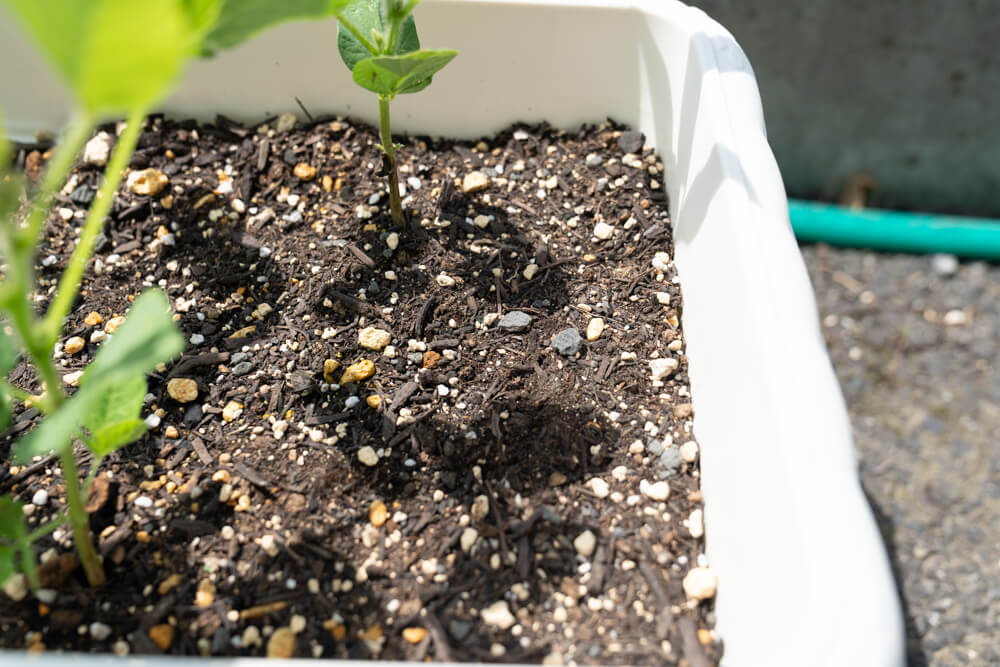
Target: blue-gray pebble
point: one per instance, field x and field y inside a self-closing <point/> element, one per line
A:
<point x="567" y="342"/>
<point x="515" y="321"/>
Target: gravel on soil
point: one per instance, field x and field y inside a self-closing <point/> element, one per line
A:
<point x="915" y="341"/>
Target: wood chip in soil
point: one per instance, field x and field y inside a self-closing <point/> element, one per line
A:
<point x="500" y="488"/>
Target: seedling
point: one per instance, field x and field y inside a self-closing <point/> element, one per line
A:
<point x="118" y="57"/>
<point x="378" y="42"/>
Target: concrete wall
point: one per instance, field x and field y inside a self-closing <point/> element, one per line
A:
<point x="907" y="90"/>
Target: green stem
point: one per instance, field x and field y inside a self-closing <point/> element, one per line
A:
<point x="351" y="28"/>
<point x="26" y="324"/>
<point x="55" y="176"/>
<point x="78" y="521"/>
<point x="19" y="393"/>
<point x="91" y="474"/>
<point x="28" y="564"/>
<point x="46" y="528"/>
<point x="385" y="130"/>
<point x="69" y="284"/>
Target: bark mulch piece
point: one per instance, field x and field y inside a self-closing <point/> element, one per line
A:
<point x="436" y="508"/>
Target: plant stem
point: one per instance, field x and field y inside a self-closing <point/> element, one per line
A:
<point x="27" y="555"/>
<point x="23" y="319"/>
<point x="78" y="521"/>
<point x="46" y="528"/>
<point x="69" y="284"/>
<point x="55" y="176"/>
<point x="28" y="564"/>
<point x="389" y="148"/>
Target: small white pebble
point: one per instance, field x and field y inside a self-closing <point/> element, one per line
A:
<point x="367" y="456"/>
<point x="585" y="543"/>
<point x="599" y="487"/>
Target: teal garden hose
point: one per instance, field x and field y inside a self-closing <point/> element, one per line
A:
<point x="895" y="231"/>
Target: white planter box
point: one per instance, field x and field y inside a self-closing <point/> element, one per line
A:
<point x="803" y="578"/>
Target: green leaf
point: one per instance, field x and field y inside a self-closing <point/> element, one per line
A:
<point x="113" y="420"/>
<point x="242" y="19"/>
<point x="113" y="436"/>
<point x="148" y="337"/>
<point x="118" y="55"/>
<point x="56" y="432"/>
<point x="366" y="16"/>
<point x="394" y="75"/>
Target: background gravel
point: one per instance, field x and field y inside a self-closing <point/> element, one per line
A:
<point x="916" y="346"/>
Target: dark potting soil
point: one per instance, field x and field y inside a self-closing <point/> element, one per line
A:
<point x="493" y="491"/>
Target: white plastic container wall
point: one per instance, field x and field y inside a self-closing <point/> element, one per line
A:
<point x="803" y="576"/>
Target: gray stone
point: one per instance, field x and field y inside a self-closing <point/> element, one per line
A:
<point x="459" y="629"/>
<point x="242" y="368"/>
<point x="515" y="321"/>
<point x="567" y="342"/>
<point x="671" y="460"/>
<point x="631" y="141"/>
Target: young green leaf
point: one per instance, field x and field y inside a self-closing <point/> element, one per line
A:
<point x="114" y="436"/>
<point x="12" y="534"/>
<point x="395" y="75"/>
<point x="148" y="337"/>
<point x="113" y="420"/>
<point x="367" y="17"/>
<point x="242" y="19"/>
<point x="56" y="432"/>
<point x="118" y="55"/>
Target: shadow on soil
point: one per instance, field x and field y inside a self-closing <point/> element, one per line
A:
<point x="915" y="656"/>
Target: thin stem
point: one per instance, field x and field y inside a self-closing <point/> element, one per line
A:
<point x="91" y="474"/>
<point x="26" y="324"/>
<point x="351" y="28"/>
<point x="55" y="176"/>
<point x="28" y="556"/>
<point x="19" y="393"/>
<point x="385" y="131"/>
<point x="78" y="521"/>
<point x="46" y="528"/>
<point x="69" y="284"/>
<point x="28" y="564"/>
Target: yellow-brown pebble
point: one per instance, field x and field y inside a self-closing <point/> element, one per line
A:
<point x="305" y="171"/>
<point x="330" y="367"/>
<point x="74" y="345"/>
<point x="205" y="595"/>
<point x="182" y="390"/>
<point x="114" y="323"/>
<point x="147" y="182"/>
<point x="414" y="635"/>
<point x="170" y="583"/>
<point x="358" y="372"/>
<point x="378" y="513"/>
<point x="431" y="359"/>
<point x="281" y="644"/>
<point x="93" y="318"/>
<point x="474" y="182"/>
<point x="162" y="635"/>
<point x="171" y="432"/>
<point x="374" y="401"/>
<point x="232" y="410"/>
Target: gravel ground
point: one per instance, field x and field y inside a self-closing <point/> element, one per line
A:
<point x="915" y="341"/>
